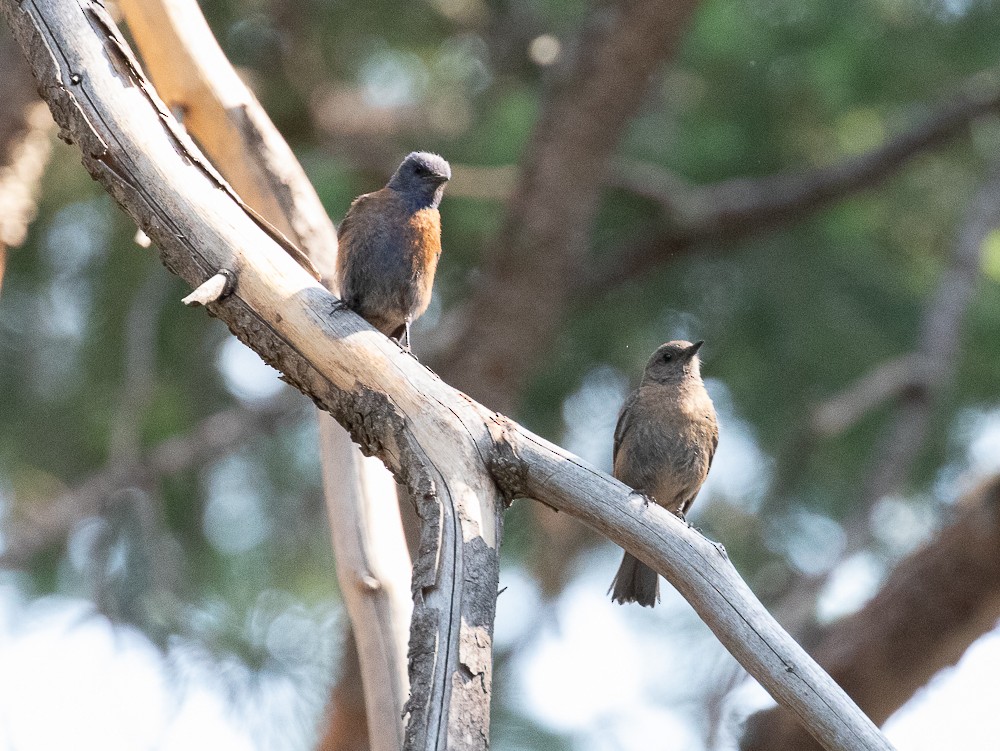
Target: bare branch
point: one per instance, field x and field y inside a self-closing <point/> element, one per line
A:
<point x="195" y="79"/>
<point x="373" y="568"/>
<point x="736" y="208"/>
<point x="933" y="606"/>
<point x="702" y="573"/>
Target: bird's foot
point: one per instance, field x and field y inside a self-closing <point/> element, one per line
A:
<point x="338" y="306"/>
<point x="642" y="496"/>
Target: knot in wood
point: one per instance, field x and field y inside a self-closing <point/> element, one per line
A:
<point x="508" y="470"/>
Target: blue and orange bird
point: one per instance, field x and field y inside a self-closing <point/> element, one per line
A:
<point x="390" y="242"/>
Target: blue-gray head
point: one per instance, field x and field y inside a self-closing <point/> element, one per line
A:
<point x="674" y="362"/>
<point x="421" y="179"/>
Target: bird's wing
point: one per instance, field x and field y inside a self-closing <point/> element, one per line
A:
<point x="715" y="443"/>
<point x="359" y="206"/>
<point x="624" y="423"/>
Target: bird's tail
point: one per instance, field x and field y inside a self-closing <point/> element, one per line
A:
<point x="635" y="582"/>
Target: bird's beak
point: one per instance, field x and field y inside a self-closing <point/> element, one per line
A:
<point x="693" y="349"/>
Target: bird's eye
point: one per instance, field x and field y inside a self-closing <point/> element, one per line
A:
<point x="667" y="357"/>
<point x="421" y="169"/>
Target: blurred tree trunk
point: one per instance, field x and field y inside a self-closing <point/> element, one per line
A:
<point x="345" y="727"/>
<point x="193" y="76"/>
<point x="511" y="319"/>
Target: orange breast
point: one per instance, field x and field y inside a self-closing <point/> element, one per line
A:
<point x="425" y="243"/>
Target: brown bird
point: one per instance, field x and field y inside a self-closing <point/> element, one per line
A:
<point x="664" y="443"/>
<point x="390" y="241"/>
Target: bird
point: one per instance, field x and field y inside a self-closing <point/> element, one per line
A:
<point x="390" y="242"/>
<point x="665" y="439"/>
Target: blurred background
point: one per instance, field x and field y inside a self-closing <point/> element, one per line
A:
<point x="812" y="188"/>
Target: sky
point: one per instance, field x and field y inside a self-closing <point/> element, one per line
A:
<point x="70" y="680"/>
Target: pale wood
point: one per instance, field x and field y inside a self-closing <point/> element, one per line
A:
<point x="194" y="77"/>
<point x="197" y="82"/>
<point x="209" y="291"/>
<point x="451" y="452"/>
<point x="373" y="568"/>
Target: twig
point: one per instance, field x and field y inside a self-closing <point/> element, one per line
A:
<point x="213" y="289"/>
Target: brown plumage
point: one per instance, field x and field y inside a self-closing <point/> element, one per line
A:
<point x="390" y="241"/>
<point x="665" y="439"/>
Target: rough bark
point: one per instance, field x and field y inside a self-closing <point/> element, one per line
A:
<point x="933" y="606"/>
<point x="546" y="236"/>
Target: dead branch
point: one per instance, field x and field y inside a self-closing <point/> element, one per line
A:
<point x="933" y="606"/>
<point x="197" y="81"/>
<point x="373" y="568"/>
<point x="451" y="453"/>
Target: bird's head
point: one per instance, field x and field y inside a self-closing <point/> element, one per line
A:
<point x="421" y="179"/>
<point x="673" y="362"/>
